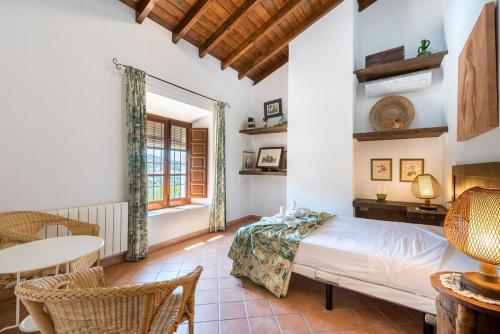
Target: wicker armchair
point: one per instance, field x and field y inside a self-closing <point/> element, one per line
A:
<point x="18" y="227"/>
<point x="80" y="302"/>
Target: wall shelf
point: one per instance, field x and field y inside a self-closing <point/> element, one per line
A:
<point x="272" y="129"/>
<point x="401" y="134"/>
<point x="255" y="172"/>
<point x="400" y="67"/>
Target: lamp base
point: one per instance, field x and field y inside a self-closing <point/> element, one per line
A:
<point x="427" y="206"/>
<point x="488" y="286"/>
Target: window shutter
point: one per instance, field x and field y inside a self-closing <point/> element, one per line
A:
<point x="198" y="163"/>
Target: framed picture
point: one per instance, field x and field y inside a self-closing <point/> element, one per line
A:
<point x="410" y="168"/>
<point x="381" y="169"/>
<point x="248" y="161"/>
<point x="273" y="109"/>
<point x="270" y="157"/>
<point x="284" y="161"/>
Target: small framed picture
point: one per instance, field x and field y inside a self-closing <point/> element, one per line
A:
<point x="248" y="161"/>
<point x="270" y="157"/>
<point x="284" y="161"/>
<point x="273" y="109"/>
<point x="381" y="169"/>
<point x="410" y="168"/>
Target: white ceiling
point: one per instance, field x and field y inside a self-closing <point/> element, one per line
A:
<point x="163" y="106"/>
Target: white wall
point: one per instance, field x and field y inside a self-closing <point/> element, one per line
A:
<point x="429" y="149"/>
<point x="321" y="97"/>
<point x="460" y="17"/>
<point x="62" y="128"/>
<point x="268" y="193"/>
<point x="405" y="23"/>
<point x="391" y="23"/>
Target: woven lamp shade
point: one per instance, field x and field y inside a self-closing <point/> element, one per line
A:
<point x="472" y="225"/>
<point x="426" y="186"/>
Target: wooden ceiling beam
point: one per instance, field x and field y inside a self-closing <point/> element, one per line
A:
<point x="227" y="26"/>
<point x="143" y="9"/>
<point x="270" y="70"/>
<point x="249" y="42"/>
<point x="190" y="19"/>
<point x="363" y="4"/>
<point x="284" y="42"/>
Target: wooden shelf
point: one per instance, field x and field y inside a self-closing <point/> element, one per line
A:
<point x="401" y="134"/>
<point x="401" y="67"/>
<point x="256" y="172"/>
<point x="272" y="129"/>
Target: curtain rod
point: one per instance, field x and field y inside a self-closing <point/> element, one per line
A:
<point x="119" y="67"/>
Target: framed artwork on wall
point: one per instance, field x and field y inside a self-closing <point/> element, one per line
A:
<point x="248" y="161"/>
<point x="273" y="109"/>
<point x="381" y="169"/>
<point x="270" y="157"/>
<point x="410" y="168"/>
<point x="477" y="79"/>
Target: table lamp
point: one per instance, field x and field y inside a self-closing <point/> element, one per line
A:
<point x="426" y="187"/>
<point x="472" y="226"/>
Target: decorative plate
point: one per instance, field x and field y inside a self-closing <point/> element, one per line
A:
<point x="392" y="110"/>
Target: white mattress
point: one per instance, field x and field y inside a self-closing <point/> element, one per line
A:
<point x="384" y="254"/>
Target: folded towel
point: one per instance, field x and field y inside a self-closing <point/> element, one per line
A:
<point x="287" y="220"/>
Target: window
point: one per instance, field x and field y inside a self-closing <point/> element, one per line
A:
<point x="167" y="162"/>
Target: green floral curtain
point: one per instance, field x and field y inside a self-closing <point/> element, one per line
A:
<point x="218" y="210"/>
<point x="137" y="172"/>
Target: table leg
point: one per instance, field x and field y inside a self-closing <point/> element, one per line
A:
<point x="67" y="267"/>
<point x="18" y="280"/>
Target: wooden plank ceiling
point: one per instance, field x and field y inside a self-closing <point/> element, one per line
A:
<point x="251" y="36"/>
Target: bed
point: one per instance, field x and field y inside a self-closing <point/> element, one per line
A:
<point x="389" y="260"/>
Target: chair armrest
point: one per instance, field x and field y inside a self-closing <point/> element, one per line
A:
<point x="13" y="237"/>
<point x="188" y="283"/>
<point x="80" y="228"/>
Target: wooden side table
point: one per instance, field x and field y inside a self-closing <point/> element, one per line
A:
<point x="462" y="315"/>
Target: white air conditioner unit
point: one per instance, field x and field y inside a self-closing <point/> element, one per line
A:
<point x="401" y="84"/>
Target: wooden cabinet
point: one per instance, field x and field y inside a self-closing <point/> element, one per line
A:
<point x="398" y="212"/>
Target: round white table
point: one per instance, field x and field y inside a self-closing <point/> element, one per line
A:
<point x="42" y="254"/>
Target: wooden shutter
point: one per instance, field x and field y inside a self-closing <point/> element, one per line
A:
<point x="198" y="163"/>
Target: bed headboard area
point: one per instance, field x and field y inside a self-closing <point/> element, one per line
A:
<point x="475" y="175"/>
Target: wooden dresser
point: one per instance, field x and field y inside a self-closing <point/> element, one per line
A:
<point x="397" y="211"/>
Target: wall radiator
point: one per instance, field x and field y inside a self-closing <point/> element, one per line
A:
<point x="111" y="218"/>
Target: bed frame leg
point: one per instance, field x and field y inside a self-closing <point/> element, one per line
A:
<point x="329" y="297"/>
<point x="428" y="324"/>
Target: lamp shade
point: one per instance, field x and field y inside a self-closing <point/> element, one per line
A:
<point x="426" y="186"/>
<point x="472" y="224"/>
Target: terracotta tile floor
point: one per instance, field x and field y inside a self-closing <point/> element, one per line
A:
<point x="225" y="304"/>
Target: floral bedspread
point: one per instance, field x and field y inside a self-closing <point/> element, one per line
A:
<point x="264" y="252"/>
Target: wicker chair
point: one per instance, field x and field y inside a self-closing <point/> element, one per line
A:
<point x="18" y="227"/>
<point x="80" y="302"/>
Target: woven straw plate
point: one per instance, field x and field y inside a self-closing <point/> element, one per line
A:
<point x="390" y="109"/>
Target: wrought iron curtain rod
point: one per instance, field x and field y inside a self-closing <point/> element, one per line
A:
<point x="119" y="67"/>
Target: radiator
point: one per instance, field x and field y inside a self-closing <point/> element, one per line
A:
<point x="111" y="218"/>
